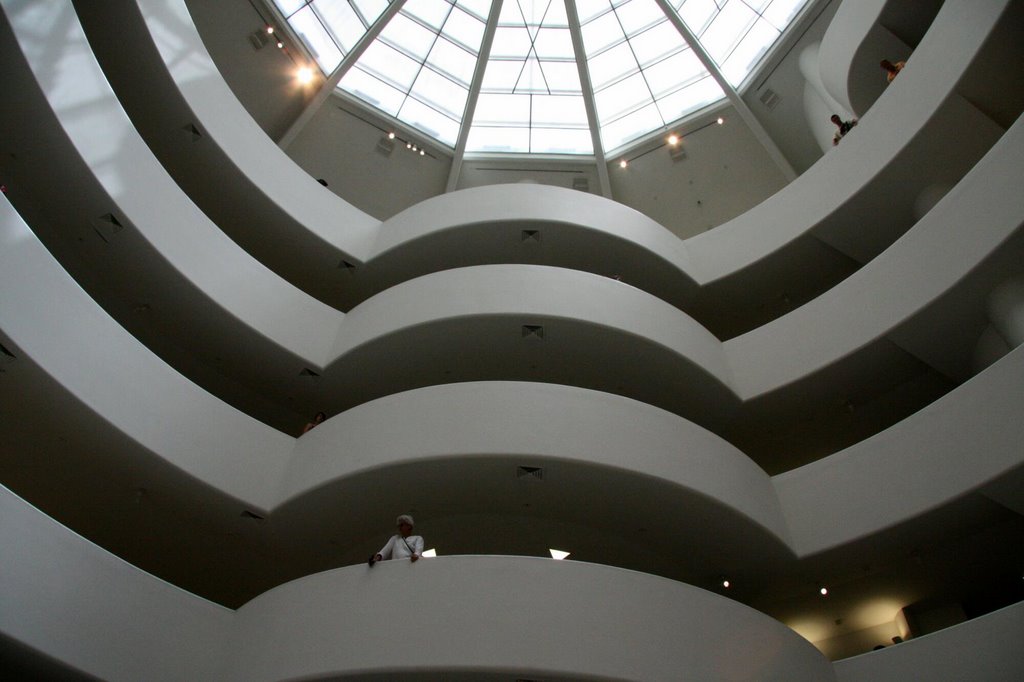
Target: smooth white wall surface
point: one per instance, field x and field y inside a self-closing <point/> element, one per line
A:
<point x="923" y="266"/>
<point x="954" y="446"/>
<point x="230" y="126"/>
<point x="342" y="148"/>
<point x="520" y="616"/>
<point x="985" y="648"/>
<point x="122" y="380"/>
<point x="70" y="600"/>
<point x="104" y="137"/>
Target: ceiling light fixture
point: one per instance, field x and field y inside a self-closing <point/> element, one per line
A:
<point x="720" y="120"/>
<point x="270" y="30"/>
<point x="673" y="139"/>
<point x="304" y="75"/>
<point x="391" y="136"/>
<point x="823" y="591"/>
<point x="725" y="582"/>
<point x="623" y="163"/>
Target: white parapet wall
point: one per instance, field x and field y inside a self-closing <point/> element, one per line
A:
<point x="518" y="616"/>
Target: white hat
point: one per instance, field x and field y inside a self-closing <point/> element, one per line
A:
<point x="404" y="518"/>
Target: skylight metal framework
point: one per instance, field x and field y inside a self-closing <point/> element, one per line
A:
<point x="544" y="84"/>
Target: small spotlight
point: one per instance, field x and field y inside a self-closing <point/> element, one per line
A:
<point x="414" y="148"/>
<point x="304" y="75"/>
<point x="558" y="554"/>
<point x="408" y="145"/>
<point x="673" y="139"/>
<point x="280" y="45"/>
<point x="623" y="163"/>
<point x="270" y="30"/>
<point x="720" y="120"/>
<point x="726" y="583"/>
<point x="422" y="152"/>
<point x="823" y="591"/>
<point x="391" y="136"/>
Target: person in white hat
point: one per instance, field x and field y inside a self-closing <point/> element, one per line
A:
<point x="402" y="545"/>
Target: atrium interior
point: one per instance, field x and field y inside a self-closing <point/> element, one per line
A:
<point x="676" y="380"/>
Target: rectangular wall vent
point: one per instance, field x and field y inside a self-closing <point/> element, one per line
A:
<point x="769" y="98"/>
<point x="530" y="472"/>
<point x="535" y="331"/>
<point x="582" y="184"/>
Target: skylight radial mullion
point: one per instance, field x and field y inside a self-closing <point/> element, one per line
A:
<point x="483" y="56"/>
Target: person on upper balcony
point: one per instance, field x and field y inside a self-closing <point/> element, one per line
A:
<point x="891" y="70"/>
<point x="844" y="127"/>
<point x="402" y="545"/>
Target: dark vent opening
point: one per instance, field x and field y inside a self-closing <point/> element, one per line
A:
<point x="533" y="331"/>
<point x="530" y="472"/>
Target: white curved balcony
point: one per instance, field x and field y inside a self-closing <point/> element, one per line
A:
<point x="576" y="429"/>
<point x="833" y="200"/>
<point x="471" y="615"/>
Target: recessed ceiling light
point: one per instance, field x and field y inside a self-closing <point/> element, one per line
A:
<point x="823" y="591"/>
<point x="720" y="120"/>
<point x="623" y="163"/>
<point x="558" y="554"/>
<point x="391" y="136"/>
<point x="673" y="139"/>
<point x="304" y="75"/>
<point x="270" y="30"/>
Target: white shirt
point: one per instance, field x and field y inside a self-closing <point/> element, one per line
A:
<point x="396" y="549"/>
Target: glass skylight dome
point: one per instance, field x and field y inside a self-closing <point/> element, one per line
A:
<point x="515" y="70"/>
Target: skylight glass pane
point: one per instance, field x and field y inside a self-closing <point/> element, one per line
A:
<point x="690" y="99"/>
<point x="453" y="61"/>
<point x="697" y="14"/>
<point x="749" y="52"/>
<point x="611" y="65"/>
<point x="630" y="127"/>
<point x="430" y="12"/>
<point x="510" y="42"/>
<point x="669" y="74"/>
<point x="532" y="79"/>
<point x="656" y="43"/>
<point x="495" y="109"/>
<point x="554" y="43"/>
<point x="429" y="121"/>
<point x="288" y="7"/>
<point x="478" y="8"/>
<point x="560" y="141"/>
<point x="370" y="9"/>
<point x="588" y="9"/>
<point x="728" y="28"/>
<point x="601" y="33"/>
<point x="341" y="21"/>
<point x="501" y="75"/>
<point x="485" y="139"/>
<point x="637" y="15"/>
<point x="389" y="64"/>
<point x="621" y="97"/>
<point x="441" y="93"/>
<point x="316" y="38"/>
<point x="559" y="110"/>
<point x="562" y="77"/>
<point x="781" y="12"/>
<point x="465" y="29"/>
<point x="556" y="16"/>
<point x="408" y="36"/>
<point x="373" y="91"/>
